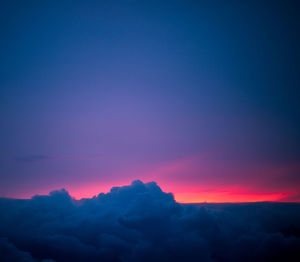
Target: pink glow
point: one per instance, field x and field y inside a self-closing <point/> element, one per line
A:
<point x="192" y="180"/>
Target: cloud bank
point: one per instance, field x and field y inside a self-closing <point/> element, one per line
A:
<point x="140" y="222"/>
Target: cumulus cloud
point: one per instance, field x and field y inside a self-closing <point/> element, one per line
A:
<point x="140" y="222"/>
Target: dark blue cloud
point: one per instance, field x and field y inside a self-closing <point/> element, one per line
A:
<point x="140" y="222"/>
<point x="9" y="252"/>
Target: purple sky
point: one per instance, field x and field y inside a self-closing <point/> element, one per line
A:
<point x="201" y="97"/>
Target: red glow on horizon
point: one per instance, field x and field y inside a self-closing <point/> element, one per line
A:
<point x="182" y="194"/>
<point x="192" y="194"/>
<point x="226" y="198"/>
<point x="196" y="179"/>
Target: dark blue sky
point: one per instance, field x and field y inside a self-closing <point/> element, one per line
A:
<point x="197" y="95"/>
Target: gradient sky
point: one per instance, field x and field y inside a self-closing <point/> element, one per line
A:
<point x="200" y="96"/>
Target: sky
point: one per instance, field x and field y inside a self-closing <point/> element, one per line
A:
<point x="200" y="96"/>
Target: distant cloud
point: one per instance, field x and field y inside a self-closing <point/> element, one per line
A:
<point x="33" y="158"/>
<point x="140" y="222"/>
<point x="292" y="198"/>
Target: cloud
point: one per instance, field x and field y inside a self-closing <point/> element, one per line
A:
<point x="140" y="222"/>
<point x="292" y="198"/>
<point x="9" y="252"/>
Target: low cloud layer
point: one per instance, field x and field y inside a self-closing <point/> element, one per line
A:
<point x="141" y="223"/>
